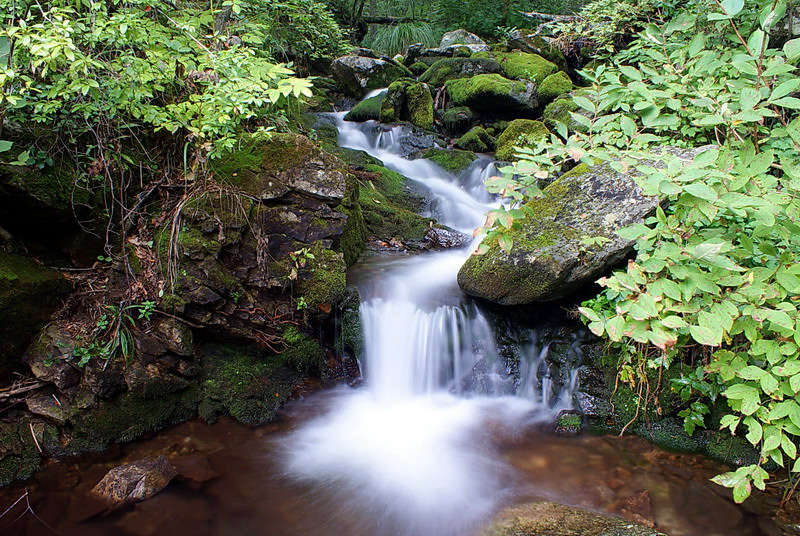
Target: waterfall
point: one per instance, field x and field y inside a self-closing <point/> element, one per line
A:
<point x="412" y="449"/>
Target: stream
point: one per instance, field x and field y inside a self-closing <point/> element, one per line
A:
<point x="439" y="437"/>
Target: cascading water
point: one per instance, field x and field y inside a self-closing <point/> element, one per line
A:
<point x="411" y="452"/>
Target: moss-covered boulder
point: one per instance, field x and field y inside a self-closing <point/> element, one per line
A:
<point x="458" y="120"/>
<point x="29" y="294"/>
<point x="418" y="68"/>
<point x="409" y="101"/>
<point x="550" y="258"/>
<point x="527" y="41"/>
<point x="560" y="111"/>
<point x="551" y="519"/>
<point x="476" y="140"/>
<point x="521" y="65"/>
<point x="452" y="68"/>
<point x="519" y="133"/>
<point x="366" y="110"/>
<point x="554" y="86"/>
<point x="494" y="94"/>
<point x="356" y="75"/>
<point x="390" y="204"/>
<point x="451" y="160"/>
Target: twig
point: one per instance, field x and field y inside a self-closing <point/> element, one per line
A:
<point x="33" y="435"/>
<point x="8" y="392"/>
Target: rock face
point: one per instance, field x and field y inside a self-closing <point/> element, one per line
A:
<point x="493" y="94"/>
<point x="549" y="259"/>
<point x="135" y="481"/>
<point x="551" y="519"/>
<point x="451" y="68"/>
<point x="358" y="74"/>
<point x="408" y="101"/>
<point x="29" y="294"/>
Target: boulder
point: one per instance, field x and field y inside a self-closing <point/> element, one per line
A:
<point x="135" y="481"/>
<point x="408" y="101"/>
<point x="550" y="259"/>
<point x="458" y="120"/>
<point x="357" y="75"/>
<point x="522" y="66"/>
<point x="450" y="68"/>
<point x="29" y="295"/>
<point x="519" y="133"/>
<point x="477" y="140"/>
<point x="560" y="111"/>
<point x="527" y="41"/>
<point x="554" y="86"/>
<point x="551" y="519"/>
<point x="493" y="94"/>
<point x="460" y="37"/>
<point x="451" y="160"/>
<point x="366" y="110"/>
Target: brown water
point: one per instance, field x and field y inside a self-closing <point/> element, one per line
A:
<point x="238" y="488"/>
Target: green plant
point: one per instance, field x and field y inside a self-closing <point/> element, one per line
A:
<point x="112" y="334"/>
<point x="395" y="38"/>
<point x="298" y="260"/>
<point x="713" y="289"/>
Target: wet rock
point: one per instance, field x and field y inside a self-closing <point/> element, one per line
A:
<point x="639" y="508"/>
<point x="494" y="94"/>
<point x="357" y="75"/>
<point x="135" y="481"/>
<point x="549" y="259"/>
<point x="366" y="110"/>
<point x="408" y="101"/>
<point x="442" y="238"/>
<point x="194" y="467"/>
<point x="551" y="519"/>
<point x="50" y="357"/>
<point x="29" y="295"/>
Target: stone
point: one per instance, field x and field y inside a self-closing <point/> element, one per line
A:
<point x="408" y="101"/>
<point x="549" y="259"/>
<point x="366" y="110"/>
<point x="49" y="407"/>
<point x="526" y="41"/>
<point x="458" y="120"/>
<point x="460" y="37"/>
<point x="451" y="68"/>
<point x="443" y="238"/>
<point x="135" y="482"/>
<point x="495" y="95"/>
<point x="551" y="519"/>
<point x="521" y="65"/>
<point x="554" y="86"/>
<point x="50" y="358"/>
<point x="29" y="295"/>
<point x="519" y="133"/>
<point x="477" y="140"/>
<point x="357" y="75"/>
<point x="452" y="160"/>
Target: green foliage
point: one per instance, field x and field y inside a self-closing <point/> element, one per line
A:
<point x="394" y="38"/>
<point x="715" y="281"/>
<point x="112" y="335"/>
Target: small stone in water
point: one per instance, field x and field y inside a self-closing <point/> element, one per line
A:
<point x="135" y="481"/>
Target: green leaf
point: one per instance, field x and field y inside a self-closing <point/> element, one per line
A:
<point x="702" y="191"/>
<point x="732" y="7"/>
<point x="5" y="145"/>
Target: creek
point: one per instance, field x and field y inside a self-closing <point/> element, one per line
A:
<point x="443" y="432"/>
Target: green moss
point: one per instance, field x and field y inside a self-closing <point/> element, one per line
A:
<point x="458" y="120"/>
<point x="350" y="340"/>
<point x="476" y="140"/>
<point x="521" y="65"/>
<point x="554" y="86"/>
<point x="247" y="383"/>
<point x="324" y="283"/>
<point x="451" y="68"/>
<point x="352" y="241"/>
<point x="492" y="93"/>
<point x="418" y="68"/>
<point x="731" y="450"/>
<point x="670" y="435"/>
<point x="408" y="101"/>
<point x="368" y="109"/>
<point x="519" y="133"/>
<point x="570" y="423"/>
<point x="389" y="208"/>
<point x="20" y="458"/>
<point x="451" y="160"/>
<point x="559" y="111"/>
<point x="302" y="353"/>
<point x="51" y="186"/>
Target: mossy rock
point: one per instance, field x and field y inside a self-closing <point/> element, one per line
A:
<point x="390" y="206"/>
<point x="418" y="68"/>
<point x="560" y="111"/>
<point x="522" y="65"/>
<point x="458" y="120"/>
<point x="494" y="94"/>
<point x="250" y="384"/>
<point x="519" y="133"/>
<point x="731" y="450"/>
<point x="451" y="68"/>
<point x="551" y="519"/>
<point x="526" y="41"/>
<point x="350" y="340"/>
<point x="356" y="75"/>
<point x="29" y="295"/>
<point x="408" y="101"/>
<point x="451" y="160"/>
<point x="477" y="140"/>
<point x="670" y="435"/>
<point x="20" y="458"/>
<point x="322" y="284"/>
<point x="548" y="259"/>
<point x="366" y="110"/>
<point x="554" y="86"/>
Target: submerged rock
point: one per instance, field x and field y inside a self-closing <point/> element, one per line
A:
<point x="551" y="519"/>
<point x="493" y="94"/>
<point x="550" y="259"/>
<point x="408" y="101"/>
<point x="358" y="74"/>
<point x="135" y="481"/>
<point x="29" y="295"/>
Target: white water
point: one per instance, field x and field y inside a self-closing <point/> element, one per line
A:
<point x="411" y="452"/>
